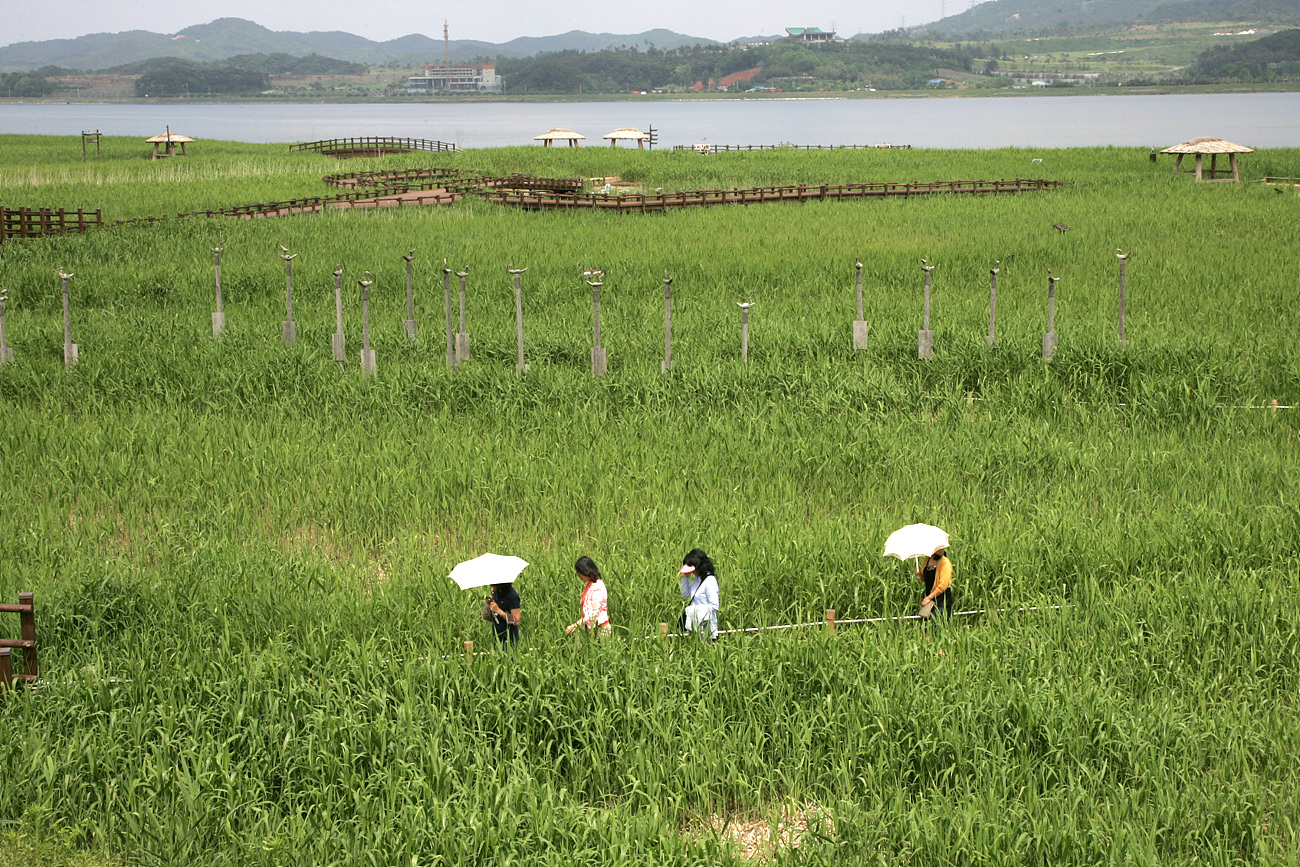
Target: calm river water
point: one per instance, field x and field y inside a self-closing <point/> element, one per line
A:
<point x="1259" y="120"/>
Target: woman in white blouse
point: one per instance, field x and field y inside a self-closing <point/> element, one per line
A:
<point x="595" y="600"/>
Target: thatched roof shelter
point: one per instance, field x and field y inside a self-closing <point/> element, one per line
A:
<point x="553" y="135"/>
<point x="170" y="139"/>
<point x="1212" y="146"/>
<point x="628" y="133"/>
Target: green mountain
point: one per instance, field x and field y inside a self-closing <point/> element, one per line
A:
<point x="228" y="37"/>
<point x="1008" y="16"/>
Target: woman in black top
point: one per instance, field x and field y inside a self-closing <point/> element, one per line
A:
<point x="505" y="606"/>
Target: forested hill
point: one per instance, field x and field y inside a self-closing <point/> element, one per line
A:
<point x="228" y="37"/>
<point x="780" y="65"/>
<point x="1266" y="59"/>
<point x="1006" y="16"/>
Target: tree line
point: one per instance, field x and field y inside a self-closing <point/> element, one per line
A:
<point x="784" y="65"/>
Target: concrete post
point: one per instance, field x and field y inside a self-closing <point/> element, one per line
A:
<point x="1049" y="339"/>
<point x="993" y="301"/>
<point x="925" y="337"/>
<point x="667" y="363"/>
<point x="219" y="317"/>
<point x="860" y="326"/>
<point x="462" y="336"/>
<point x="367" y="354"/>
<point x="520" y="366"/>
<point x="744" y="327"/>
<point x="69" y="348"/>
<point x="409" y="326"/>
<point x="339" y="342"/>
<point x="446" y="292"/>
<point x="1123" y="280"/>
<point x="599" y="361"/>
<point x="288" y="328"/>
<point x="6" y="354"/>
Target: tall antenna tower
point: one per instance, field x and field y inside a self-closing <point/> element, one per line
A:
<point x="446" y="57"/>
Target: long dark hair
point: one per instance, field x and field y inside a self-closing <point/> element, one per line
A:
<point x="703" y="565"/>
<point x="586" y="567"/>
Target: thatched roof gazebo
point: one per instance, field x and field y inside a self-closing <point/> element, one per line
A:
<point x="628" y="133"/>
<point x="170" y="139"/>
<point x="1212" y="146"/>
<point x="553" y="135"/>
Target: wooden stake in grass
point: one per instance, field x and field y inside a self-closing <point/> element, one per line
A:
<point x="446" y="292"/>
<point x="462" y="336"/>
<point x="599" y="362"/>
<point x="744" y="327"/>
<point x="520" y="366"/>
<point x="367" y="354"/>
<point x="70" y="349"/>
<point x="830" y="619"/>
<point x="6" y="354"/>
<point x="925" y="337"/>
<point x="993" y="301"/>
<point x="288" y="328"/>
<point x="1049" y="339"/>
<point x="469" y="652"/>
<point x="663" y="634"/>
<point x="667" y="363"/>
<point x="860" y="326"/>
<point x="219" y="317"/>
<point x="339" y="342"/>
<point x="1123" y="280"/>
<point x="409" y="326"/>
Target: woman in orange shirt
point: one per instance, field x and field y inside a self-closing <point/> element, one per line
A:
<point x="936" y="575"/>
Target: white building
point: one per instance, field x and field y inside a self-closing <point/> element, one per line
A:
<point x="463" y="79"/>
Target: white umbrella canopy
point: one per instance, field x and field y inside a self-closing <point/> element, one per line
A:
<point x="487" y="569"/>
<point x="915" y="540"/>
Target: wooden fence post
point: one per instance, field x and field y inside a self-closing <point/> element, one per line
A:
<point x="27" y="632"/>
<point x="6" y="668"/>
<point x="830" y="619"/>
<point x="744" y="328"/>
<point x="469" y="652"/>
<point x="663" y="634"/>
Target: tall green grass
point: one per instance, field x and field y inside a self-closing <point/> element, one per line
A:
<point x="253" y="655"/>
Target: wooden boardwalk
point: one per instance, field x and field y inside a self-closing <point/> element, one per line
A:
<point x="371" y="146"/>
<point x="759" y="195"/>
<point x="21" y="223"/>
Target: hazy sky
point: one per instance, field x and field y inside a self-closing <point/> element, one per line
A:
<point x="486" y="20"/>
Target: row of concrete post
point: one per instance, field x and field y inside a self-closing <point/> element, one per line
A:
<point x="458" y="341"/>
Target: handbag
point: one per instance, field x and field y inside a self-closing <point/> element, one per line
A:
<point x="487" y="610"/>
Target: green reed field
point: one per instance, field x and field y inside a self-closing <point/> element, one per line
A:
<point x="251" y="653"/>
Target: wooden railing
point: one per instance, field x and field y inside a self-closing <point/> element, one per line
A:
<point x="705" y="148"/>
<point x="25" y="609"/>
<point x="371" y="146"/>
<point x="36" y="222"/>
<point x="756" y="195"/>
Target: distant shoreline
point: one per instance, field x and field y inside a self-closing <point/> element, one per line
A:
<point x="956" y="93"/>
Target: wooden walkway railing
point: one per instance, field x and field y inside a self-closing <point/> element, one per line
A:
<point x="757" y="195"/>
<point x="371" y="146"/>
<point x="705" y="148"/>
<point x="35" y="222"/>
<point x="25" y="609"/>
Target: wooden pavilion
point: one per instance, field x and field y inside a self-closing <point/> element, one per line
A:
<point x="170" y="140"/>
<point x="554" y="135"/>
<point x="628" y="133"/>
<point x="1212" y="146"/>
